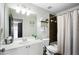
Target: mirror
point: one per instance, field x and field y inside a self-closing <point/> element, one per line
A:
<point x="19" y="23"/>
<point x="23" y="22"/>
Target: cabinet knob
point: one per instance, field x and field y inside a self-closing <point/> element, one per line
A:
<point x="27" y="46"/>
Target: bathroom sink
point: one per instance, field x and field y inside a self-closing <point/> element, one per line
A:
<point x="14" y="45"/>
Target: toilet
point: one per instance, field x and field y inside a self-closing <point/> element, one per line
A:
<point x="51" y="49"/>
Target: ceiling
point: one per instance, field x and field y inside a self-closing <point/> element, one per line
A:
<point x="56" y="7"/>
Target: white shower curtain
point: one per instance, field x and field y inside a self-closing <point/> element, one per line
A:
<point x="60" y="34"/>
<point x="68" y="27"/>
<point x="75" y="32"/>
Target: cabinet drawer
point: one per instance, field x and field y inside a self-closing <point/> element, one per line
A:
<point x="17" y="51"/>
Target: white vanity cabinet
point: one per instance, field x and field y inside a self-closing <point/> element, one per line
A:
<point x="36" y="49"/>
<point x="32" y="49"/>
<point x="17" y="51"/>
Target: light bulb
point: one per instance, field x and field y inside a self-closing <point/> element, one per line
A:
<point x="23" y="11"/>
<point x="28" y="13"/>
<point x="18" y="10"/>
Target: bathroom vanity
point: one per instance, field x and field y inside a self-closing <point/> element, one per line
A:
<point x="26" y="48"/>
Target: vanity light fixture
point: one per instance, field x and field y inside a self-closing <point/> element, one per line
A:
<point x="28" y="13"/>
<point x="23" y="10"/>
<point x="52" y="20"/>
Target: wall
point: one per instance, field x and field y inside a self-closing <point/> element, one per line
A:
<point x="6" y="22"/>
<point x="2" y="18"/>
<point x="29" y="27"/>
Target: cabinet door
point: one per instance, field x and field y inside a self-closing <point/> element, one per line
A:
<point x="17" y="51"/>
<point x="36" y="49"/>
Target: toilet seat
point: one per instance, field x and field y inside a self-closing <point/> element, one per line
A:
<point x="51" y="49"/>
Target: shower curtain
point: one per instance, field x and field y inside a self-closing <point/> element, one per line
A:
<point x="68" y="33"/>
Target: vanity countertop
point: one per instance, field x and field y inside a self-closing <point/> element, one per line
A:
<point x="20" y="44"/>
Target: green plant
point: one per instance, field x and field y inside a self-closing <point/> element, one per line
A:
<point x="34" y="35"/>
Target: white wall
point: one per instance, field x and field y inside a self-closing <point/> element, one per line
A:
<point x="6" y="21"/>
<point x="29" y="29"/>
<point x="2" y="18"/>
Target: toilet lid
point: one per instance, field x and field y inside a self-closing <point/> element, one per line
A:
<point x="52" y="48"/>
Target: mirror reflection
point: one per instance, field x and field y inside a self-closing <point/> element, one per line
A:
<point x="21" y="22"/>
